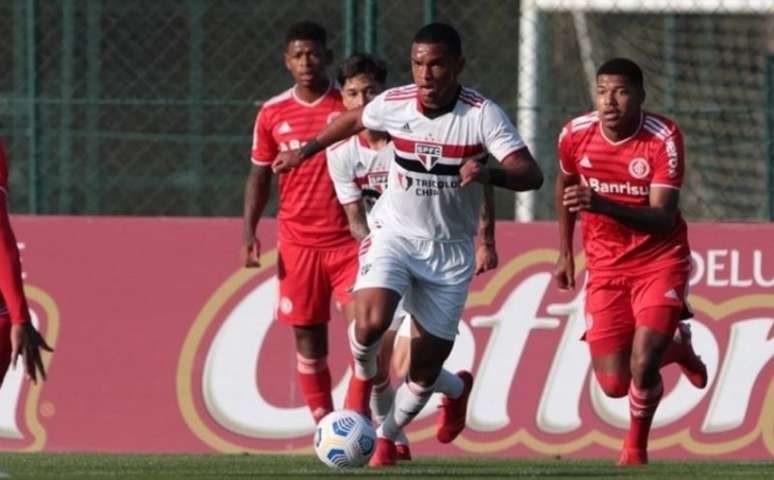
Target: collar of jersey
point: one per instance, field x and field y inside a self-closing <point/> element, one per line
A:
<point x="316" y="102"/>
<point x="622" y="141"/>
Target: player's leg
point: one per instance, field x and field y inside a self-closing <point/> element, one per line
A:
<point x="5" y="345"/>
<point x="304" y="303"/>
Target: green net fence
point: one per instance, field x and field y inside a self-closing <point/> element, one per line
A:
<point x="146" y="107"/>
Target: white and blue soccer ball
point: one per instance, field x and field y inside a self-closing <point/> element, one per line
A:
<point x="344" y="438"/>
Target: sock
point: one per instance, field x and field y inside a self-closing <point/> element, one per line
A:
<point x="314" y="377"/>
<point x="382" y="397"/>
<point x="409" y="401"/>
<point x="449" y="384"/>
<point x="364" y="355"/>
<point x="642" y="407"/>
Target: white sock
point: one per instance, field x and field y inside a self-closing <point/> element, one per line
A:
<point x="409" y="401"/>
<point x="382" y="397"/>
<point x="449" y="384"/>
<point x="364" y="355"/>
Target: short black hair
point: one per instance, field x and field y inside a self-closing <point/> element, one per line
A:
<point x="362" y="64"/>
<point x="623" y="67"/>
<point x="307" y="30"/>
<point x="440" y="33"/>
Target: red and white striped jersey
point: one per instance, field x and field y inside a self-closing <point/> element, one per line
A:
<point x="309" y="214"/>
<point x="424" y="198"/>
<point x="625" y="171"/>
<point x="358" y="171"/>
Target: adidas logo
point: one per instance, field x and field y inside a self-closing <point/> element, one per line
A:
<point x="585" y="162"/>
<point x="405" y="128"/>
<point x="284" y="128"/>
<point x="672" y="294"/>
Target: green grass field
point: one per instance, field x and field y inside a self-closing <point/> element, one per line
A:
<point x="164" y="467"/>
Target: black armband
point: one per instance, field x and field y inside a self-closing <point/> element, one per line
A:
<point x="497" y="177"/>
<point x="310" y="148"/>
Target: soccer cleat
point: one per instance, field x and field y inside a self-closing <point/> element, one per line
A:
<point x="451" y="419"/>
<point x="690" y="363"/>
<point x="385" y="455"/>
<point x="633" y="457"/>
<point x="359" y="396"/>
<point x="403" y="452"/>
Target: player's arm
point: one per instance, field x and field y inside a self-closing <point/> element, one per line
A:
<point x="344" y="126"/>
<point x="356" y="216"/>
<point x="564" y="271"/>
<point x="257" y="191"/>
<point x="486" y="254"/>
<point x="659" y="217"/>
<point x="25" y="339"/>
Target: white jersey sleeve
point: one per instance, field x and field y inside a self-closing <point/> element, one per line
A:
<point x="499" y="134"/>
<point x="342" y="172"/>
<point x="373" y="114"/>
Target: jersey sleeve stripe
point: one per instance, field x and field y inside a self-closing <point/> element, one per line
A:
<point x="655" y="131"/>
<point x="664" y="185"/>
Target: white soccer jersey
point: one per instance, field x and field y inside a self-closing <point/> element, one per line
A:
<point x="424" y="199"/>
<point x="358" y="171"/>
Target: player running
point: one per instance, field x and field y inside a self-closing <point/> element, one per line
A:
<point x="622" y="167"/>
<point x="317" y="255"/>
<point x="424" y="223"/>
<point x="359" y="167"/>
<point x="18" y="337"/>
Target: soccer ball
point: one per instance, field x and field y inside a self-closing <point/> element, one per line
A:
<point x="344" y="438"/>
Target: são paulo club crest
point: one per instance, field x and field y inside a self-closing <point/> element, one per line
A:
<point x="428" y="154"/>
<point x="405" y="181"/>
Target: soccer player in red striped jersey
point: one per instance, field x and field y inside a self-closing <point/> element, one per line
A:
<point x="18" y="337"/>
<point x="317" y="255"/>
<point x="425" y="222"/>
<point x="622" y="169"/>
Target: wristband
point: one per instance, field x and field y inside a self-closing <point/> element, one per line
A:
<point x="310" y="149"/>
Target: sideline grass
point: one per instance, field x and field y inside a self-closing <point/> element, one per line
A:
<point x="168" y="467"/>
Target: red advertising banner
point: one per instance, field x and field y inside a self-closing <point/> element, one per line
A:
<point x="164" y="344"/>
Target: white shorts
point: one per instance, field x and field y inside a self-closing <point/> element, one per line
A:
<point x="397" y="318"/>
<point x="433" y="277"/>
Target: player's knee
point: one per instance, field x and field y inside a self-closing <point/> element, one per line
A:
<point x="643" y="365"/>
<point x="614" y="385"/>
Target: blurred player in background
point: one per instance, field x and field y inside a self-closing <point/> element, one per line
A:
<point x="317" y="255"/>
<point x="18" y="337"/>
<point x="421" y="244"/>
<point x="359" y="167"/>
<point x="622" y="168"/>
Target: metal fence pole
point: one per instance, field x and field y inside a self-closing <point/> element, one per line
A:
<point x="428" y="11"/>
<point x="65" y="119"/>
<point x="768" y="139"/>
<point x="19" y="85"/>
<point x="350" y="27"/>
<point x="93" y="91"/>
<point x="670" y="63"/>
<point x="371" y="12"/>
<point x="195" y="111"/>
<point x="32" y="117"/>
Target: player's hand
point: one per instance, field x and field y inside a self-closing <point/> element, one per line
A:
<point x="287" y="161"/>
<point x="252" y="253"/>
<point x="564" y="272"/>
<point x="472" y="171"/>
<point x="486" y="258"/>
<point x="27" y="343"/>
<point x="580" y="197"/>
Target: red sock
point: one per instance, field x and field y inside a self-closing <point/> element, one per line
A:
<point x="5" y="345"/>
<point x="315" y="381"/>
<point x="642" y="407"/>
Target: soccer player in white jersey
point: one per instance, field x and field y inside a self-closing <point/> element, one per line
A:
<point x="424" y="223"/>
<point x="359" y="168"/>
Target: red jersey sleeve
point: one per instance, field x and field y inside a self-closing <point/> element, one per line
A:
<point x="265" y="148"/>
<point x="669" y="161"/>
<point x="565" y="151"/>
<point x="11" y="286"/>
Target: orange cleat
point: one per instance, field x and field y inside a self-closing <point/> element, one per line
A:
<point x="403" y="452"/>
<point x="359" y="396"/>
<point x="385" y="455"/>
<point x="690" y="363"/>
<point x="631" y="457"/>
<point x="451" y="419"/>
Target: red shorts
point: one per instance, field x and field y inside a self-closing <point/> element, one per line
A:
<point x="614" y="306"/>
<point x="308" y="278"/>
